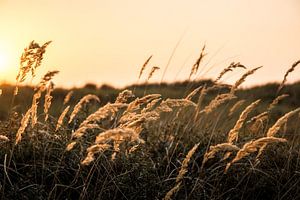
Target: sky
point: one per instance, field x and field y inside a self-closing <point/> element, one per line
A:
<point x="107" y="41"/>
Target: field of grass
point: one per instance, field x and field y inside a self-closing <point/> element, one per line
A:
<point x="185" y="140"/>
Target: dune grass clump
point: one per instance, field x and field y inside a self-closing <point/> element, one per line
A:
<point x="209" y="141"/>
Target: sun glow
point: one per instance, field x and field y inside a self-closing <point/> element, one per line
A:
<point x="3" y="61"/>
<point x="8" y="61"/>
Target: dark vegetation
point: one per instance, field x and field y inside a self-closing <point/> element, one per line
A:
<point x="40" y="168"/>
<point x="179" y="90"/>
<point x="157" y="146"/>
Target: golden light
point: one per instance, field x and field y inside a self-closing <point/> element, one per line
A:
<point x="3" y="61"/>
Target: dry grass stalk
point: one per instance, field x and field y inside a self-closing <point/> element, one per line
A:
<point x="237" y="105"/>
<point x="281" y="121"/>
<point x="42" y="86"/>
<point x="258" y="117"/>
<point x="193" y="93"/>
<point x="184" y="165"/>
<point x="124" y="96"/>
<point x="172" y="103"/>
<point x="133" y="119"/>
<point x="30" y="59"/>
<point x="195" y="67"/>
<point x="276" y="127"/>
<point x="118" y="135"/>
<point x="163" y="108"/>
<point x="217" y="102"/>
<point x="138" y="119"/>
<point x="286" y="75"/>
<point x="152" y="72"/>
<point x="116" y="149"/>
<point x="135" y="105"/>
<point x="144" y="66"/>
<point x="88" y="159"/>
<point x="48" y="99"/>
<point x="213" y="150"/>
<point x="150" y="113"/>
<point x="128" y="134"/>
<point x="181" y="173"/>
<point x="199" y="103"/>
<point x="97" y="148"/>
<point x="71" y="146"/>
<point x="253" y="146"/>
<point x="263" y="116"/>
<point x="133" y="148"/>
<point x="82" y="130"/>
<point x="84" y="100"/>
<point x="24" y="124"/>
<point x="259" y="124"/>
<point x="61" y="118"/>
<point x="203" y="93"/>
<point x="172" y="191"/>
<point x="34" y="107"/>
<point x="233" y="133"/>
<point x="152" y="105"/>
<point x="68" y="97"/>
<point x="243" y="78"/>
<point x="4" y="138"/>
<point x="109" y="111"/>
<point x="232" y="66"/>
<point x="276" y="101"/>
<point x="38" y="56"/>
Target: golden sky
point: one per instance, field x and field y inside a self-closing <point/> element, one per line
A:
<point x="106" y="41"/>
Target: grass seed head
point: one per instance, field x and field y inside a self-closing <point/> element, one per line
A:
<point x="253" y="146"/>
<point x="68" y="97"/>
<point x="152" y="72"/>
<point x="233" y="133"/>
<point x="243" y="78"/>
<point x="144" y="66"/>
<point x="124" y="96"/>
<point x="195" y="67"/>
<point x="84" y="100"/>
<point x="24" y="124"/>
<point x="232" y="66"/>
<point x="294" y="65"/>
<point x="62" y="117"/>
<point x="281" y="121"/>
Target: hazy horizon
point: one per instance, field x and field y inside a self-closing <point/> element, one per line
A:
<point x="108" y="41"/>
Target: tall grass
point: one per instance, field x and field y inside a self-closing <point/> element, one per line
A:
<point x="198" y="146"/>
